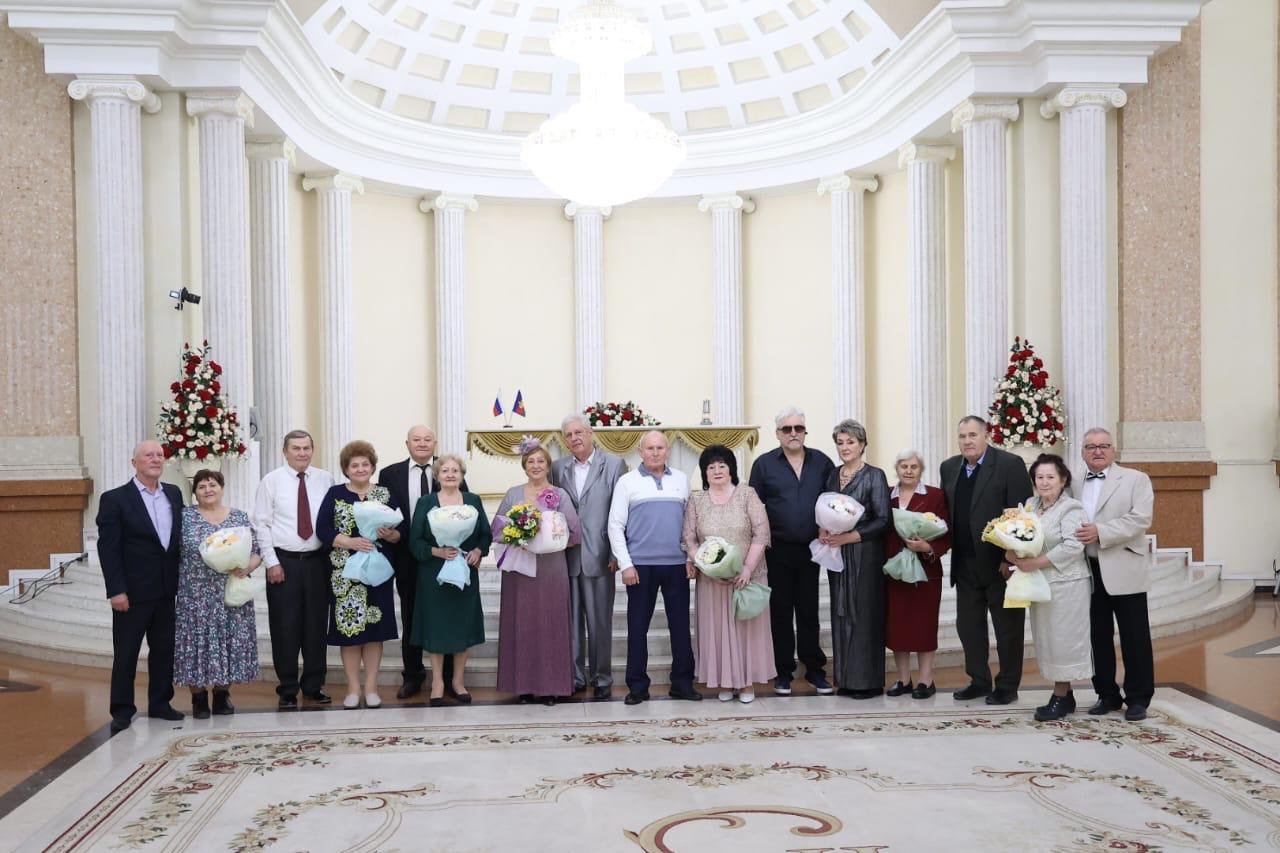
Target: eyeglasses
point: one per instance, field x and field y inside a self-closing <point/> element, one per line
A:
<point x="1090" y="448"/>
<point x="788" y="430"/>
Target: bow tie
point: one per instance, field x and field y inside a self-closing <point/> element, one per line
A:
<point x="1096" y="475"/>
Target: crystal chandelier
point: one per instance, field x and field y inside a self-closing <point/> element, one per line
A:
<point x="602" y="151"/>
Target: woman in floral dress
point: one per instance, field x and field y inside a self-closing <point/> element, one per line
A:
<point x="214" y="645"/>
<point x="361" y="617"/>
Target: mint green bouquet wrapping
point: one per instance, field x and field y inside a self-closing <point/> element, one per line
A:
<point x="718" y="558"/>
<point x="905" y="565"/>
<point x="750" y="601"/>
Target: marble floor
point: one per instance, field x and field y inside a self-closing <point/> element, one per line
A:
<point x="685" y="772"/>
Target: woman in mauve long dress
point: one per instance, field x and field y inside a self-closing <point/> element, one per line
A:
<point x="535" y="653"/>
<point x="733" y="653"/>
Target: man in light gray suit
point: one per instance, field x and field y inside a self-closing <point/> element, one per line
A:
<point x="589" y="475"/>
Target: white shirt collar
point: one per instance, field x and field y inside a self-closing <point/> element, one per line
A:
<point x="919" y="490"/>
<point x="588" y="462"/>
<point x="142" y="487"/>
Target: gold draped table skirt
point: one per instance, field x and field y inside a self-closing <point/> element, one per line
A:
<point x="617" y="440"/>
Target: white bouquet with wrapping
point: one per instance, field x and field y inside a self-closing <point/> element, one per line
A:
<point x="1018" y="530"/>
<point x="451" y="525"/>
<point x="371" y="568"/>
<point x="552" y="534"/>
<point x="905" y="565"/>
<point x="226" y="551"/>
<point x="835" y="513"/>
<point x="718" y="558"/>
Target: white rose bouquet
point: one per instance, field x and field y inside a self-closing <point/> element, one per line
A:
<point x="225" y="551"/>
<point x="835" y="513"/>
<point x="718" y="558"/>
<point x="1018" y="530"/>
<point x="451" y="525"/>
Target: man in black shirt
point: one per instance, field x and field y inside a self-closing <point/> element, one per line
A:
<point x="789" y="481"/>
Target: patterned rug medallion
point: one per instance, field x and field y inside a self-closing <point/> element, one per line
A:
<point x="783" y="775"/>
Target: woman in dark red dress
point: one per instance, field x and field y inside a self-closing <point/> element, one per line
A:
<point x="912" y="619"/>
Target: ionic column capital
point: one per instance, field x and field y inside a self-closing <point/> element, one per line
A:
<point x="572" y="209"/>
<point x="984" y="109"/>
<point x="726" y="201"/>
<point x="119" y="88"/>
<point x="230" y="104"/>
<point x="446" y="201"/>
<point x="332" y="181"/>
<point x="924" y="152"/>
<point x="1069" y="97"/>
<point x="855" y="183"/>
<point x="270" y="149"/>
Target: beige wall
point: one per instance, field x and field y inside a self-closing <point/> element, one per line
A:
<point x="888" y="396"/>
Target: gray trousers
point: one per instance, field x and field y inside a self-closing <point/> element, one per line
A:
<point x="591" y="622"/>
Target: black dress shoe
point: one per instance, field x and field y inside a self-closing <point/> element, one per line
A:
<point x="222" y="703"/>
<point x="1057" y="708"/>
<point x="1002" y="697"/>
<point x="287" y="703"/>
<point x="899" y="688"/>
<point x="924" y="691"/>
<point x="436" y="702"/>
<point x="973" y="691"/>
<point x="319" y="697"/>
<point x="634" y="698"/>
<point x="168" y="712"/>
<point x="868" y="693"/>
<point x="602" y="692"/>
<point x="409" y="689"/>
<point x="686" y="694"/>
<point x="1105" y="706"/>
<point x="464" y="697"/>
<point x="526" y="699"/>
<point x="119" y="724"/>
<point x="200" y="705"/>
<point x="1134" y="713"/>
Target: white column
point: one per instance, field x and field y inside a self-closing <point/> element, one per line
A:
<point x="221" y="118"/>
<point x="124" y="416"/>
<point x="727" y="402"/>
<point x="927" y="298"/>
<point x="337" y="371"/>
<point x="1082" y="195"/>
<point x="588" y="301"/>
<point x="848" y="293"/>
<point x="451" y="340"/>
<point x="986" y="246"/>
<point x="269" y="164"/>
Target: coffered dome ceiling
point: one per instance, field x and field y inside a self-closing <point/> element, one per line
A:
<point x="486" y="65"/>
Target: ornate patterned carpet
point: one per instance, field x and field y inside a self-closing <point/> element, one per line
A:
<point x="784" y="774"/>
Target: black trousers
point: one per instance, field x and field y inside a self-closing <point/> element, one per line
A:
<point x="974" y="600"/>
<point x="155" y="621"/>
<point x="414" y="672"/>
<point x="298" y="616"/>
<point x="1129" y="612"/>
<point x="642" y="598"/>
<point x="793" y="577"/>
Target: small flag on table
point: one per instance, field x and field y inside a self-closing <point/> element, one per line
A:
<point x="497" y="404"/>
<point x="518" y="408"/>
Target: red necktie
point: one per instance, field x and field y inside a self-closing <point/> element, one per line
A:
<point x="305" y="530"/>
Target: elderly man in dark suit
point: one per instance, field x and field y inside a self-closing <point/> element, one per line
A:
<point x="980" y="483"/>
<point x="408" y="481"/>
<point x="139" y="535"/>
<point x="589" y="474"/>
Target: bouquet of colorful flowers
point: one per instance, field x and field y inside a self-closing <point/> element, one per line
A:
<point x="718" y="558"/>
<point x="1026" y="409"/>
<point x="750" y="601"/>
<point x="905" y="565"/>
<point x="371" y="568"/>
<point x="1018" y="530"/>
<point x="451" y="525"/>
<point x="835" y="513"/>
<point x="225" y="551"/>
<point x="521" y="525"/>
<point x="552" y="534"/>
<point x="617" y="414"/>
<point x="197" y="423"/>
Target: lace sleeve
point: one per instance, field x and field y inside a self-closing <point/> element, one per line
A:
<point x="759" y="519"/>
<point x="689" y="532"/>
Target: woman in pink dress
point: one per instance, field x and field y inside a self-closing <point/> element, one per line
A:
<point x="733" y="654"/>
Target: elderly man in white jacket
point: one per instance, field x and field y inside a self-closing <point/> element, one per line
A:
<point x="1118" y="502"/>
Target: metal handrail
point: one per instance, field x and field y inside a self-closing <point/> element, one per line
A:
<point x="28" y="589"/>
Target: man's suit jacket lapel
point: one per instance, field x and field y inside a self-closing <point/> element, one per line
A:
<point x="985" y="472"/>
<point x="593" y="473"/>
<point x="140" y="510"/>
<point x="1110" y="485"/>
<point x="175" y="506"/>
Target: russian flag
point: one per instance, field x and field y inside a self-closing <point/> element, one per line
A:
<point x="497" y="405"/>
<point x="518" y="408"/>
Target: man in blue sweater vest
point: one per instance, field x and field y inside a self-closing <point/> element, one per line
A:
<point x="645" y="523"/>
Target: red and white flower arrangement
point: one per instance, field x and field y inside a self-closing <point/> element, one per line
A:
<point x="197" y="423"/>
<point x="1027" y="409"/>
<point x="626" y="414"/>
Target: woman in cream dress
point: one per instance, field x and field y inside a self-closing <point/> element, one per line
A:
<point x="1060" y="626"/>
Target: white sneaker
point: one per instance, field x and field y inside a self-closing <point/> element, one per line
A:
<point x="726" y="695"/>
<point x="372" y="700"/>
<point x="746" y="697"/>
<point x="352" y="701"/>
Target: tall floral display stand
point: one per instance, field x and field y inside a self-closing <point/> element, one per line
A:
<point x="1026" y="415"/>
<point x="197" y="428"/>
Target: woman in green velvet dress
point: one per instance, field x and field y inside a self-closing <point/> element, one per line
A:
<point x="447" y="620"/>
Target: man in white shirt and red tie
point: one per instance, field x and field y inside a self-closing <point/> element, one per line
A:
<point x="284" y="519"/>
<point x="1118" y="502"/>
